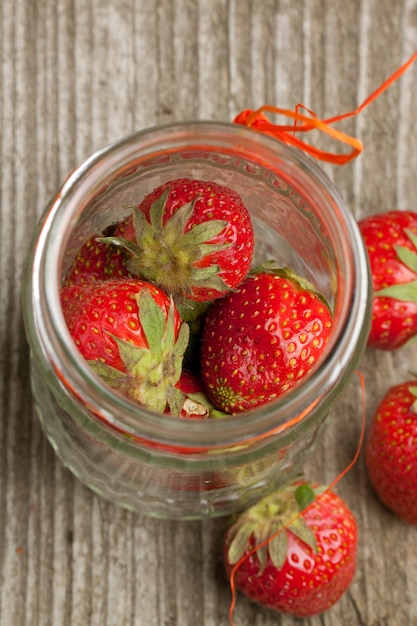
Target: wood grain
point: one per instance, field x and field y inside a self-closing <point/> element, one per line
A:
<point x="77" y="75"/>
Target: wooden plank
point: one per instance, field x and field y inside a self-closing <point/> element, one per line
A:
<point x="77" y="75"/>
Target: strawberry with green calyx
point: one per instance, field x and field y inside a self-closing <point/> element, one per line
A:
<point x="196" y="404"/>
<point x="391" y="242"/>
<point x="262" y="338"/>
<point x="131" y="334"/>
<point x="97" y="260"/>
<point x="192" y="238"/>
<point x="193" y="390"/>
<point x="294" y="551"/>
<point x="391" y="450"/>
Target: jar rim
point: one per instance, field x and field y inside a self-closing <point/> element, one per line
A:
<point x="57" y="348"/>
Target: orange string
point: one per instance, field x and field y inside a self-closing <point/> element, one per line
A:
<point x="328" y="488"/>
<point x="305" y="123"/>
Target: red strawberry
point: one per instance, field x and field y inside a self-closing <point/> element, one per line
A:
<point x="193" y="238"/>
<point x="305" y="568"/>
<point x="391" y="241"/>
<point x="391" y="450"/>
<point x="261" y="339"/>
<point x="95" y="261"/>
<point x="131" y="334"/>
<point x="196" y="404"/>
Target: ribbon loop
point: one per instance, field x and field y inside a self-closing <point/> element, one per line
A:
<point x="286" y="133"/>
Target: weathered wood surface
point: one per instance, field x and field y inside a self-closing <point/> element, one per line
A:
<point x="77" y="75"/>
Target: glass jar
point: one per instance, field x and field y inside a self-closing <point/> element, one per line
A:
<point x="177" y="468"/>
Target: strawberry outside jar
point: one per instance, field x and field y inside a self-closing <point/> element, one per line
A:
<point x="154" y="463"/>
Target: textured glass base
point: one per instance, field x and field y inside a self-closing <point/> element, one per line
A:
<point x="161" y="485"/>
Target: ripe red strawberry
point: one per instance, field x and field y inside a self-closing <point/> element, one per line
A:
<point x="391" y="242"/>
<point x="305" y="568"/>
<point x="261" y="339"/>
<point x="391" y="450"/>
<point x="131" y="334"/>
<point x="192" y="238"/>
<point x="95" y="261"/>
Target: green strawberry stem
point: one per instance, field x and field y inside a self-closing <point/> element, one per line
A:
<point x="304" y="494"/>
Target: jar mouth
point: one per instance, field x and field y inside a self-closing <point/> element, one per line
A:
<point x="351" y="305"/>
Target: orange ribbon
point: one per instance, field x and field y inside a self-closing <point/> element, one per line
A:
<point x="304" y="123"/>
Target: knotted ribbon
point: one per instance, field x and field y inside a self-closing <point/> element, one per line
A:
<point x="287" y="133"/>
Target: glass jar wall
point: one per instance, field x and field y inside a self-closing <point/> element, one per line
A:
<point x="156" y="464"/>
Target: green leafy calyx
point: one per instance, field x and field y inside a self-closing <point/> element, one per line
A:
<point x="268" y="523"/>
<point x="168" y="254"/>
<point x="153" y="371"/>
<point x="406" y="292"/>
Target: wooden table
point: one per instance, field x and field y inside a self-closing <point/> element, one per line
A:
<point x="77" y="75"/>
